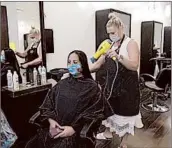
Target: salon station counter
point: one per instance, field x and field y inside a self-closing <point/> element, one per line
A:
<point x="26" y="90"/>
<point x="20" y="105"/>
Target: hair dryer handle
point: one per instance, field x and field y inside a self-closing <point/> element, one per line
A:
<point x="114" y="58"/>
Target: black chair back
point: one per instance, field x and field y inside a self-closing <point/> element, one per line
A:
<point x="57" y="73"/>
<point x="163" y="78"/>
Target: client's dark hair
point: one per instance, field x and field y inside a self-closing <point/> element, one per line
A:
<point x="10" y="59"/>
<point x="84" y="63"/>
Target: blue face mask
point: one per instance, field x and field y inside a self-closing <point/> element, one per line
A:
<point x="2" y="58"/>
<point x="114" y="38"/>
<point x="73" y="69"/>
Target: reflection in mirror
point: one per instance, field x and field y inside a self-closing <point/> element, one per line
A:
<point x="24" y="35"/>
<point x="32" y="52"/>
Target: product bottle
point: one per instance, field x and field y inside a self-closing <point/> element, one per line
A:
<point x="15" y="81"/>
<point x="24" y="81"/>
<point x="43" y="76"/>
<point x="39" y="76"/>
<point x="39" y="69"/>
<point x="31" y="76"/>
<point x="9" y="79"/>
<point x="35" y="73"/>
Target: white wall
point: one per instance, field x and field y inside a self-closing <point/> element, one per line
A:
<point x="74" y="24"/>
<point x="73" y="29"/>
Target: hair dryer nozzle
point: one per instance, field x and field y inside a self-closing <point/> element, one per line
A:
<point x="93" y="60"/>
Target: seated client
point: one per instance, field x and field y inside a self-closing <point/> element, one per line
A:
<point x="70" y="104"/>
<point x="8" y="62"/>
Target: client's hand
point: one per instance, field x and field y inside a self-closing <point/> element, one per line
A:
<point x="67" y="132"/>
<point x="53" y="123"/>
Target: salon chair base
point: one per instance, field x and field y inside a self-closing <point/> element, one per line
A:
<point x="155" y="108"/>
<point x="154" y="105"/>
<point x="158" y="87"/>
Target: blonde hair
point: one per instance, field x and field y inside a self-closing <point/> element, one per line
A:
<point x="34" y="30"/>
<point x="114" y="21"/>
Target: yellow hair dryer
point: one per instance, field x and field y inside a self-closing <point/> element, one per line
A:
<point x="102" y="49"/>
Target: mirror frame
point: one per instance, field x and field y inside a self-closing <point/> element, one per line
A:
<point x="42" y="27"/>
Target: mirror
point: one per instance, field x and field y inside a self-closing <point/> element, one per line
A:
<point x="24" y="34"/>
<point x="158" y="35"/>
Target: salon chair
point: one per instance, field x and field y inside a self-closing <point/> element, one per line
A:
<point x="87" y="134"/>
<point x="57" y="73"/>
<point x="158" y="87"/>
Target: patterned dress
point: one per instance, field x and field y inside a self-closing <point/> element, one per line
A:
<point x="8" y="137"/>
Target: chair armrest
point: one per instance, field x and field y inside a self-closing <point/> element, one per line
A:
<point x="86" y="129"/>
<point x="35" y="119"/>
<point x="89" y="129"/>
<point x="86" y="132"/>
<point x="147" y="77"/>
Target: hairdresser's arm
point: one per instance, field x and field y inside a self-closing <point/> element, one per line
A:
<point x="23" y="54"/>
<point x="133" y="52"/>
<point x="97" y="65"/>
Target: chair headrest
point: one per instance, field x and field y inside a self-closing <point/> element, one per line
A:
<point x="163" y="78"/>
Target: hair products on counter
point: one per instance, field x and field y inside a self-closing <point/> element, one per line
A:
<point x="39" y="75"/>
<point x="43" y="76"/>
<point x="35" y="73"/>
<point x="9" y="79"/>
<point x="15" y="81"/>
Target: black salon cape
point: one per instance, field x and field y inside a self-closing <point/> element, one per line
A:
<point x="72" y="102"/>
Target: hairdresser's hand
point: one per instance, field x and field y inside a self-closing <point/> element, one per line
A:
<point x="25" y="65"/>
<point x="112" y="53"/>
<point x="67" y="132"/>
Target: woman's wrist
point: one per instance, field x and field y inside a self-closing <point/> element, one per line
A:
<point x="120" y="58"/>
<point x="28" y="64"/>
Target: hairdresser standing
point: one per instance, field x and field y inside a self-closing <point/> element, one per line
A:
<point x="122" y="102"/>
<point x="33" y="53"/>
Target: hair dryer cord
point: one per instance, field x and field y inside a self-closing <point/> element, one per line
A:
<point x="111" y="89"/>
